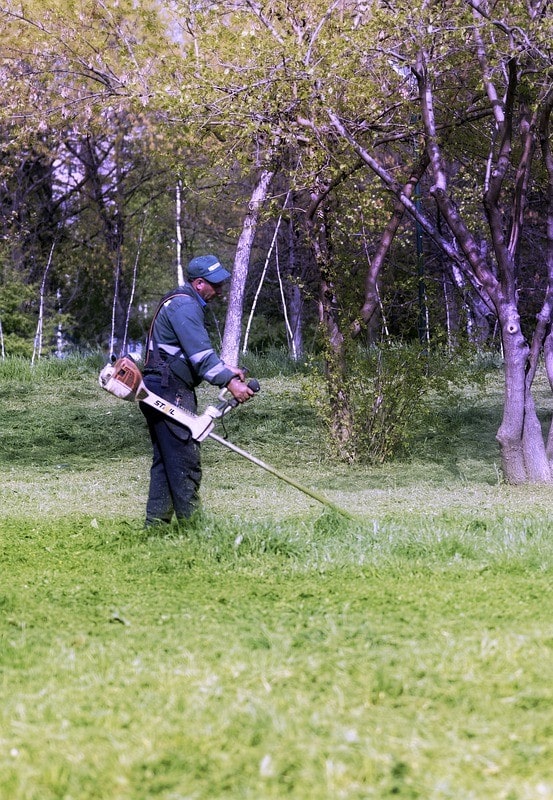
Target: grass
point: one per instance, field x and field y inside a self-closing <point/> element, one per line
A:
<point x="273" y="649"/>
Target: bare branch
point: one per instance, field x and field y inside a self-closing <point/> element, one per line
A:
<point x="256" y="8"/>
<point x="318" y="29"/>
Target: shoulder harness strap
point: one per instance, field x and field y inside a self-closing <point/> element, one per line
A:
<point x="157" y="362"/>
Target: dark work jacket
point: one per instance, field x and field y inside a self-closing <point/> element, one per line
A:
<point x="178" y="337"/>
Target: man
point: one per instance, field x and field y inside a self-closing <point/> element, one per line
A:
<point x="179" y="357"/>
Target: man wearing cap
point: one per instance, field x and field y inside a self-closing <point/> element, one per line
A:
<point x="179" y="357"/>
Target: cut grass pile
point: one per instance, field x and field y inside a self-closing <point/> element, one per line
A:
<point x="272" y="649"/>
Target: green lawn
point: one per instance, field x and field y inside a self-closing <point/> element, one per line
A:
<point x="273" y="650"/>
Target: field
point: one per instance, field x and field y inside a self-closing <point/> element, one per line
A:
<point x="274" y="649"/>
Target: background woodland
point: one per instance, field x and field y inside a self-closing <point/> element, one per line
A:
<point x="373" y="173"/>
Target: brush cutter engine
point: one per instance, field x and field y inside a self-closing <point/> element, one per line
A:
<point x="122" y="378"/>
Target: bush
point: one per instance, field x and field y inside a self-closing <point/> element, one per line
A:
<point x="393" y="391"/>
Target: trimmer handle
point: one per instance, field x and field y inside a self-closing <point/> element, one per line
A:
<point x="232" y="402"/>
<point x="253" y="384"/>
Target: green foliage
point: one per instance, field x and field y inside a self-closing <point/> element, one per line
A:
<point x="394" y="392"/>
<point x="18" y="314"/>
<point x="266" y="333"/>
<point x="84" y="72"/>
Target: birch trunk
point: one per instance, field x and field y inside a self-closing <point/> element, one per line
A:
<point x="295" y="297"/>
<point x="178" y="226"/>
<point x="233" y="322"/>
<point x="37" y="348"/>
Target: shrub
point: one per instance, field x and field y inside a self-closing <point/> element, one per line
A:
<point x="393" y="390"/>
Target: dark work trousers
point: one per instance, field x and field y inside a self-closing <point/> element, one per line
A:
<point x="176" y="473"/>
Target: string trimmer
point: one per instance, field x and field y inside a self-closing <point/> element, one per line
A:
<point x="123" y="379"/>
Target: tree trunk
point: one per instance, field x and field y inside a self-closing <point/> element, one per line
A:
<point x="341" y="418"/>
<point x="233" y="321"/>
<point x="178" y="227"/>
<point x="511" y="429"/>
<point x="548" y="357"/>
<point x="295" y="302"/>
<point x="109" y="203"/>
<point x="296" y="321"/>
<point x="37" y="349"/>
<point x="372" y="298"/>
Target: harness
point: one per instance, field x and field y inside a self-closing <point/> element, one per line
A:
<point x="158" y="362"/>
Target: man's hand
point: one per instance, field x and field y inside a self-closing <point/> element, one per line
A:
<point x="239" y="389"/>
<point x="239" y="372"/>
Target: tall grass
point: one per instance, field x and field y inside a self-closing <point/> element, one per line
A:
<point x="271" y="648"/>
<point x="44" y="369"/>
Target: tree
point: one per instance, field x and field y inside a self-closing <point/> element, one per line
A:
<point x="233" y="324"/>
<point x="67" y="71"/>
<point x="513" y="61"/>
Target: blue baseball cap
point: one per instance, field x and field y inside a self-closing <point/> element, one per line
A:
<point x="209" y="268"/>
